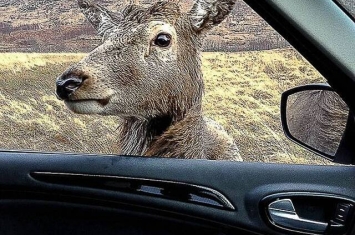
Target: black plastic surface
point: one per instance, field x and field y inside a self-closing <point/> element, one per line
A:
<point x="170" y="190"/>
<point x="244" y="184"/>
<point x="31" y="217"/>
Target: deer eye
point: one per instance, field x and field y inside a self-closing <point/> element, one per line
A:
<point x="163" y="40"/>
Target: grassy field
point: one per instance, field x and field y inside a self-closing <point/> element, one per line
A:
<point x="242" y="93"/>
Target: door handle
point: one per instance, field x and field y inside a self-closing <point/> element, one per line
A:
<point x="283" y="213"/>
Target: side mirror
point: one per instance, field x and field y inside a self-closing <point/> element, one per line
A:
<point x="316" y="117"/>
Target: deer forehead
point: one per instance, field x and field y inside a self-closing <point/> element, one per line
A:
<point x="143" y="37"/>
<point x="140" y="33"/>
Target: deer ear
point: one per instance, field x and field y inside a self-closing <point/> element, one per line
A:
<point x="101" y="18"/>
<point x="205" y="14"/>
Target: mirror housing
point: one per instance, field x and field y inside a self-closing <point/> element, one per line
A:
<point x="315" y="117"/>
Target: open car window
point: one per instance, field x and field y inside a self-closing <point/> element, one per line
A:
<point x="246" y="67"/>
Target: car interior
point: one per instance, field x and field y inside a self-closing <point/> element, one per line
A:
<point x="71" y="193"/>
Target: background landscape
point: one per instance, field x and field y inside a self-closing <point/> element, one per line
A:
<point x="246" y="65"/>
<point x="57" y="26"/>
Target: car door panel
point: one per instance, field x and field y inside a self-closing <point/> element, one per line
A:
<point x="53" y="217"/>
<point x="245" y="185"/>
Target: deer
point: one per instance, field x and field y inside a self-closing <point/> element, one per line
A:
<point x="147" y="71"/>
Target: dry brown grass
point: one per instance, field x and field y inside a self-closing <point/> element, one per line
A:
<point x="17" y="62"/>
<point x="242" y="93"/>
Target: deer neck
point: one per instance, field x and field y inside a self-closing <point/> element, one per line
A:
<point x="141" y="137"/>
<point x="138" y="134"/>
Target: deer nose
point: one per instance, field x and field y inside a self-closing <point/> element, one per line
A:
<point x="67" y="85"/>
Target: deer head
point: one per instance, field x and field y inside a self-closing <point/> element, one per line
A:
<point x="148" y="64"/>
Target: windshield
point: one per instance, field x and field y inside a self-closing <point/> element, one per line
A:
<point x="349" y="5"/>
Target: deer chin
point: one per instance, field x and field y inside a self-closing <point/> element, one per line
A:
<point x="87" y="106"/>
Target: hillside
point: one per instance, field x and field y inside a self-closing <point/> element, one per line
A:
<point x="58" y="25"/>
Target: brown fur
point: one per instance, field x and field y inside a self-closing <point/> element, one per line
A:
<point x="317" y="118"/>
<point x="157" y="91"/>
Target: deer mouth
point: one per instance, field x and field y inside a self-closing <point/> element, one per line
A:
<point x="87" y="106"/>
<point x="102" y="102"/>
